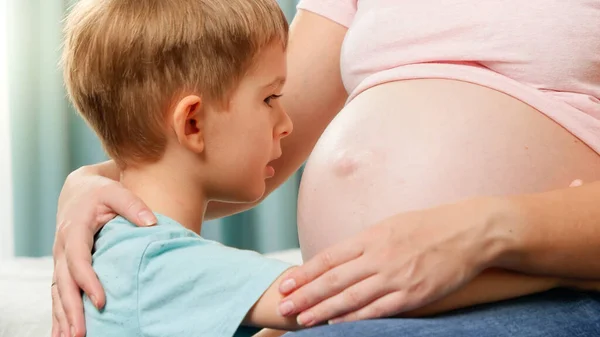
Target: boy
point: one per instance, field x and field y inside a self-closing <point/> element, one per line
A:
<point x="183" y="95"/>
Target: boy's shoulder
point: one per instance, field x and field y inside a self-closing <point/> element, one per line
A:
<point x="121" y="247"/>
<point x="169" y="273"/>
<point x="121" y="235"/>
<point x="120" y="242"/>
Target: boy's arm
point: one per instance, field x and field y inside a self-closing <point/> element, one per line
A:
<point x="215" y="290"/>
<point x="264" y="313"/>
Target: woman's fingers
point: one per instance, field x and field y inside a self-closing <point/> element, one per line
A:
<point x="420" y="256"/>
<point x="86" y="203"/>
<point x="350" y="299"/>
<point x="576" y="183"/>
<point x="318" y="265"/>
<point x="121" y="201"/>
<point x="55" y="328"/>
<point x="60" y="324"/>
<point x="385" y="306"/>
<point x="325" y="286"/>
<point x="69" y="297"/>
<point x="79" y="262"/>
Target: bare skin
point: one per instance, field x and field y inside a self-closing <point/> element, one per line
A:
<point x="313" y="96"/>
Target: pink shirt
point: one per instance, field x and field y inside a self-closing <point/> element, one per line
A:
<point x="545" y="53"/>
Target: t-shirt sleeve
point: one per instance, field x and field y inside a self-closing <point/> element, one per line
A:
<point x="340" y="11"/>
<point x="194" y="287"/>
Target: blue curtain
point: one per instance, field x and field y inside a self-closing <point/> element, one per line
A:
<point x="49" y="140"/>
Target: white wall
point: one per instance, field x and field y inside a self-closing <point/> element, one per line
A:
<point x="6" y="204"/>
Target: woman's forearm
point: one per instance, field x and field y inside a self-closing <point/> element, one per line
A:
<point x="490" y="286"/>
<point x="555" y="241"/>
<point x="555" y="233"/>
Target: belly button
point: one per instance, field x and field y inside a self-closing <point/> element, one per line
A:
<point x="347" y="163"/>
<point x="344" y="164"/>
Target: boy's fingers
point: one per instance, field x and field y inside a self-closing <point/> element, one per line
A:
<point x="319" y="265"/>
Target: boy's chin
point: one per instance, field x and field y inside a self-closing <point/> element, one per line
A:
<point x="259" y="192"/>
<point x="250" y="194"/>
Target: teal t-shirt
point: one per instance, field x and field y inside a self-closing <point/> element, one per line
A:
<point x="166" y="280"/>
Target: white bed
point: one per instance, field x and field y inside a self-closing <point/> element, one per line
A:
<point x="25" y="303"/>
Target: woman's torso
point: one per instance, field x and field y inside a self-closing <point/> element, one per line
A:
<point x="413" y="144"/>
<point x="407" y="144"/>
<point x="550" y="45"/>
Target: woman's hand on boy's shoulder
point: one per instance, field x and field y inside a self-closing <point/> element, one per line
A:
<point x="88" y="200"/>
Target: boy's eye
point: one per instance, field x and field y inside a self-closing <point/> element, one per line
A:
<point x="272" y="97"/>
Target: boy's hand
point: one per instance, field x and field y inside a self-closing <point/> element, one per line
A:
<point x="87" y="201"/>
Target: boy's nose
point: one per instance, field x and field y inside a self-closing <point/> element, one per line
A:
<point x="285" y="126"/>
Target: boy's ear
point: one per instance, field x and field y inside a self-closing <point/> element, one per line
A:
<point x="188" y="123"/>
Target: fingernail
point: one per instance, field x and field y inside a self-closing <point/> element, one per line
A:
<point x="306" y="319"/>
<point x="95" y="301"/>
<point x="287" y="286"/>
<point x="73" y="332"/>
<point x="576" y="183"/>
<point x="147" y="218"/>
<point x="334" y="321"/>
<point x="286" y="308"/>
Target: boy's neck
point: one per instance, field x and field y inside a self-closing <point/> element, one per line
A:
<point x="168" y="191"/>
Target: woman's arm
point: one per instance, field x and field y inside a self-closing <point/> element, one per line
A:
<point x="492" y="285"/>
<point x="495" y="285"/>
<point x="410" y="260"/>
<point x="555" y="233"/>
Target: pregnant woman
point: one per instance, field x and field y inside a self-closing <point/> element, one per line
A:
<point x="436" y="130"/>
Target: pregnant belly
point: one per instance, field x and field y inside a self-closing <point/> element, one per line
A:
<point x="414" y="144"/>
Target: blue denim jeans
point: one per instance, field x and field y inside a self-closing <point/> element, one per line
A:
<point x="556" y="313"/>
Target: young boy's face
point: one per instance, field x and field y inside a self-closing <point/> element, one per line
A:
<point x="245" y="138"/>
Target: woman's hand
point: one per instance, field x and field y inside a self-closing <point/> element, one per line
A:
<point x="270" y="333"/>
<point x="403" y="263"/>
<point x="406" y="262"/>
<point x="88" y="200"/>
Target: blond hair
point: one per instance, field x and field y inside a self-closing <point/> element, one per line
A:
<point x="126" y="61"/>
